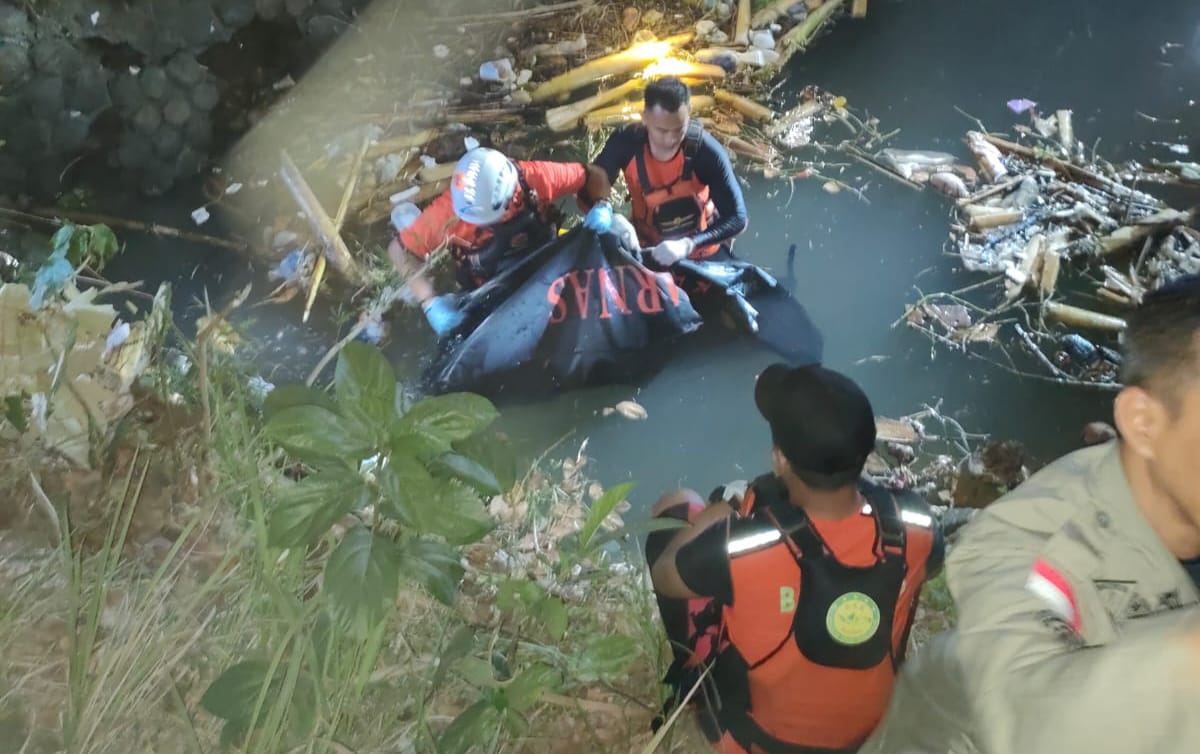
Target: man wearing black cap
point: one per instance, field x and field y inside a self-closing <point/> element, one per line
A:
<point x="802" y="585"/>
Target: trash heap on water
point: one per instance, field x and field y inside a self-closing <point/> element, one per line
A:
<point x="1070" y="242"/>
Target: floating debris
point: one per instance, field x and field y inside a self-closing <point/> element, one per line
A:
<point x="1044" y="214"/>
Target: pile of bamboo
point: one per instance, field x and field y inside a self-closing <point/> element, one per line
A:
<point x="1043" y="213"/>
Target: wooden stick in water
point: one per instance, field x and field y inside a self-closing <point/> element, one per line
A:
<point x="58" y="217"/>
<point x="338" y="220"/>
<point x="320" y="222"/>
<point x="741" y="27"/>
<point x="858" y="9"/>
<point x="1074" y="316"/>
<point x="623" y="62"/>
<point x="747" y="107"/>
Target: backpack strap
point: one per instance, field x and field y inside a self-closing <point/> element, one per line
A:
<point x="692" y="141"/>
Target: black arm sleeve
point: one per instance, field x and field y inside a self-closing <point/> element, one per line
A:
<point x="703" y="565"/>
<point x="620" y="148"/>
<point x="713" y="168"/>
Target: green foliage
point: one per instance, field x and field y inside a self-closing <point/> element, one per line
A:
<point x="406" y="488"/>
<point x="93" y="245"/>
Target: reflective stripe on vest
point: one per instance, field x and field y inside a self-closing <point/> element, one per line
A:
<point x="800" y="620"/>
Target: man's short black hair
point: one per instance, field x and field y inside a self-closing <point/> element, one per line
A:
<point x="820" y="420"/>
<point x="1161" y="343"/>
<point x="668" y="92"/>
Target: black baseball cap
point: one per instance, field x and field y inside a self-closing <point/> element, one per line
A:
<point x="820" y="420"/>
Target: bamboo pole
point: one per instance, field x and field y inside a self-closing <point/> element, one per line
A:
<point x="320" y="222"/>
<point x="1066" y="134"/>
<point x="440" y="172"/>
<point x="1124" y="237"/>
<point x="619" y="63"/>
<point x="401" y="143"/>
<point x="1073" y="316"/>
<point x="741" y="26"/>
<point x="747" y="107"/>
<point x="799" y="37"/>
<point x="767" y="15"/>
<point x="858" y="9"/>
<point x="989" y="220"/>
<point x="338" y="220"/>
<point x="566" y="117"/>
<point x="631" y="111"/>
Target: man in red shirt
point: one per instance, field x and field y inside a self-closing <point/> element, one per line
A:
<point x="802" y="586"/>
<point x="496" y="210"/>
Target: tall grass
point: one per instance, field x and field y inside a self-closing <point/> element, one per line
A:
<point x="107" y="649"/>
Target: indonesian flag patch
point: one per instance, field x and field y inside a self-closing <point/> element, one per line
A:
<point x="1053" y="589"/>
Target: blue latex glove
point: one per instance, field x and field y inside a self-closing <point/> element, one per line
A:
<point x="442" y="314"/>
<point x="599" y="218"/>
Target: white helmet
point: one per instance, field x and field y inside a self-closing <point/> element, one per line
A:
<point x="483" y="186"/>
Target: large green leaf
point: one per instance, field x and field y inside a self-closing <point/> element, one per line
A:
<point x="604" y="658"/>
<point x="455" y="512"/>
<point x="407" y="489"/>
<point x="314" y="434"/>
<point x="234" y="694"/>
<point x="434" y="566"/>
<point x="553" y="614"/>
<point x="530" y="684"/>
<point x="365" y="386"/>
<point x="451" y="417"/>
<point x="296" y="394"/>
<point x="362" y="577"/>
<point x="102" y="246"/>
<point x="305" y="510"/>
<point x="494" y="452"/>
<point x="474" y="727"/>
<point x="600" y="511"/>
<point x="466" y="470"/>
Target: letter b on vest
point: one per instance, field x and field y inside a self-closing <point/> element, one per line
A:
<point x="787" y="599"/>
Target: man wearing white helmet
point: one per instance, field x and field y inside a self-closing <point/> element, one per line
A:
<point x="495" y="210"/>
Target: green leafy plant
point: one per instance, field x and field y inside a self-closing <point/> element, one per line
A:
<point x="388" y="493"/>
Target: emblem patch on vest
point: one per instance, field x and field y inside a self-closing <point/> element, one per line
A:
<point x="852" y="619"/>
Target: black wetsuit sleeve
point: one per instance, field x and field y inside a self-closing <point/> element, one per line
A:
<point x="703" y="565"/>
<point x="713" y="168"/>
<point x="620" y="148"/>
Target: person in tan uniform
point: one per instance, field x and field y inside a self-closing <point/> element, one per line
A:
<point x="1078" y="618"/>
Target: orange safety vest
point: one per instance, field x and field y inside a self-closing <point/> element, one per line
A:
<point x="802" y="620"/>
<point x="673" y="208"/>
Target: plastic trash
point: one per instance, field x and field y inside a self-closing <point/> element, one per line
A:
<point x="259" y="389"/>
<point x="404" y="215"/>
<point x="470" y="142"/>
<point x="1019" y="106"/>
<point x="441" y="51"/>
<point x="115" y="339"/>
<point x="762" y="39"/>
<point x="373" y="332"/>
<point x="200" y="215"/>
<point x="289" y="267"/>
<point x="498" y="70"/>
